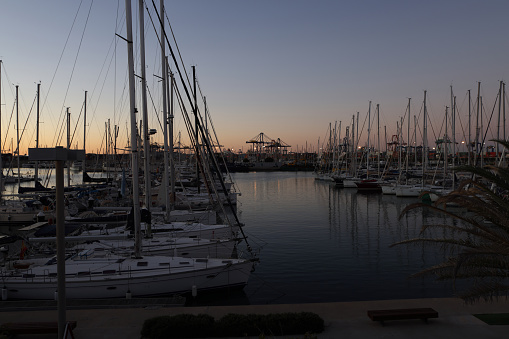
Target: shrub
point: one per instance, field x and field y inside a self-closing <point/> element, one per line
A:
<point x="178" y="326"/>
<point x="232" y="325"/>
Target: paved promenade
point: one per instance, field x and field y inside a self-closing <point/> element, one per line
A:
<point x="342" y="319"/>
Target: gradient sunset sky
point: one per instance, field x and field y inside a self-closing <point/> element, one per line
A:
<point x="284" y="68"/>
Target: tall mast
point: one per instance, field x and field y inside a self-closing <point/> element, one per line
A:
<point x="134" y="139"/>
<point x="1" y="164"/>
<point x="424" y="138"/>
<point x="36" y="173"/>
<point x="477" y="124"/>
<point x="68" y="146"/>
<point x="408" y="148"/>
<point x="84" y="132"/>
<point x="499" y="115"/>
<point x="481" y="134"/>
<point x="196" y="131"/>
<point x="369" y="135"/>
<point x="172" y="156"/>
<point x="378" y="135"/>
<point x="357" y="145"/>
<point x="445" y="143"/>
<point x="415" y="141"/>
<point x="469" y="143"/>
<point x="146" y="136"/>
<point x="17" y="131"/>
<point x="164" y="70"/>
<point x="454" y="153"/>
<point x="354" y="154"/>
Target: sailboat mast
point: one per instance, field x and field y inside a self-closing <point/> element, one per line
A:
<point x="134" y="139"/>
<point x="1" y="164"/>
<point x="408" y="140"/>
<point x="424" y="138"/>
<point x="469" y="143"/>
<point x="164" y="70"/>
<point x="172" y="157"/>
<point x="369" y="135"/>
<point x="445" y="143"/>
<point x="146" y="136"/>
<point x="356" y="145"/>
<point x="477" y="124"/>
<point x="499" y="115"/>
<point x="454" y="153"/>
<point x="36" y="173"/>
<point x="84" y="132"/>
<point x="68" y="146"/>
<point x="378" y="135"/>
<point x="196" y="131"/>
<point x="17" y="131"/>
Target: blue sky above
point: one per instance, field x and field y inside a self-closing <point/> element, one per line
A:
<point x="285" y="68"/>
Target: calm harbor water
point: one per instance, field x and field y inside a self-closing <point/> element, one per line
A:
<point x="320" y="243"/>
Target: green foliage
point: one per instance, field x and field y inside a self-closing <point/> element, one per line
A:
<point x="478" y="245"/>
<point x="494" y="319"/>
<point x="178" y="326"/>
<point x="232" y="325"/>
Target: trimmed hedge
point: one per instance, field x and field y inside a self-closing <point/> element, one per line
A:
<point x="231" y="325"/>
<point x="178" y="326"/>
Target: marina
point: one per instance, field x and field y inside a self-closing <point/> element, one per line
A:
<point x="317" y="242"/>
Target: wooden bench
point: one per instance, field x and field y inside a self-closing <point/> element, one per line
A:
<point x="402" y="314"/>
<point x="41" y="327"/>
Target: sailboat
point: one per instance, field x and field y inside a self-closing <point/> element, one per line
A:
<point x="370" y="184"/>
<point x="91" y="274"/>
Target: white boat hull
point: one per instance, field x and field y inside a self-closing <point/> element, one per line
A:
<point x="140" y="277"/>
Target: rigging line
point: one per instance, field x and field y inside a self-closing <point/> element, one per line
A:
<point x="155" y="109"/>
<point x="74" y="65"/>
<point x="206" y="141"/>
<point x="463" y="128"/>
<point x="176" y="64"/>
<point x="8" y="81"/>
<point x="77" y="121"/>
<point x="94" y="111"/>
<point x="61" y="56"/>
<point x="217" y="140"/>
<point x="113" y="43"/>
<point x="176" y="46"/>
<point x="9" y="124"/>
<point x="23" y="130"/>
<point x="489" y="121"/>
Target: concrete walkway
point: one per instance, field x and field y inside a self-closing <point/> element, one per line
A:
<point x="342" y="319"/>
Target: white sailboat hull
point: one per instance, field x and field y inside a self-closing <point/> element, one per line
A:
<point x="150" y="276"/>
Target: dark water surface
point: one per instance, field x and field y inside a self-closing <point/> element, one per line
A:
<point x="320" y="243"/>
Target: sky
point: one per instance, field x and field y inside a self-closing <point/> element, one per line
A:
<point x="285" y="68"/>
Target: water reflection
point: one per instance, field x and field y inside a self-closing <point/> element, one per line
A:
<point x="323" y="243"/>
